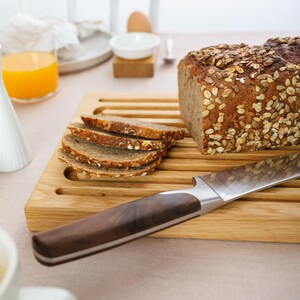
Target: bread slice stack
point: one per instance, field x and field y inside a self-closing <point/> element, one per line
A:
<point x="116" y="146"/>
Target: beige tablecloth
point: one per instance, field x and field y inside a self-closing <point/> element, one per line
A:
<point x="149" y="268"/>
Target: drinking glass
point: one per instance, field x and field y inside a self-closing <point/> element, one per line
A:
<point x="30" y="69"/>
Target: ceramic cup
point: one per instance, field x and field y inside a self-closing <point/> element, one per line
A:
<point x="11" y="287"/>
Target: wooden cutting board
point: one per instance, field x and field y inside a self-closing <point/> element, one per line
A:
<point x="61" y="196"/>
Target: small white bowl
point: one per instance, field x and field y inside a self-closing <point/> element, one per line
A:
<point x="134" y="45"/>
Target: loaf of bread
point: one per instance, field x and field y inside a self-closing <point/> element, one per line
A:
<point x="240" y="97"/>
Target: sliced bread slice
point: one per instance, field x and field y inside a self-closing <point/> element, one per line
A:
<point x="94" y="154"/>
<point x="94" y="171"/>
<point x="134" y="127"/>
<point x="117" y="140"/>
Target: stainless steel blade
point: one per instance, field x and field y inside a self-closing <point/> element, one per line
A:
<point x="238" y="182"/>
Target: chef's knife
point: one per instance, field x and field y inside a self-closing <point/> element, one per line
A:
<point x="135" y="219"/>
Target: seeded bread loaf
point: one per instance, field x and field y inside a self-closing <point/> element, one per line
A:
<point x="94" y="154"/>
<point x="93" y="171"/>
<point x="117" y="140"/>
<point x="238" y="97"/>
<point x="134" y="127"/>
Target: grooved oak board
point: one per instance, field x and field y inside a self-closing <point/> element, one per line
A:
<point x="62" y="196"/>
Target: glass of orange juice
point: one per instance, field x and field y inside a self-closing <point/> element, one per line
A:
<point x="30" y="70"/>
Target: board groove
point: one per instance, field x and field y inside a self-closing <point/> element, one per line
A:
<point x="62" y="195"/>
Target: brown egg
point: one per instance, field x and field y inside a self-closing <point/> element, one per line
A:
<point x="138" y="22"/>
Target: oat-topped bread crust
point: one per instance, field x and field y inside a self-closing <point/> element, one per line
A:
<point x="94" y="154"/>
<point x="134" y="127"/>
<point x="93" y="171"/>
<point x="117" y="140"/>
<point x="240" y="97"/>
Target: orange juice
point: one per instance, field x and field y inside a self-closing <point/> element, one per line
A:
<point x="30" y="74"/>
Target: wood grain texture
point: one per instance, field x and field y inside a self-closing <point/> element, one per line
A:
<point x="115" y="225"/>
<point x="134" y="68"/>
<point x="62" y="196"/>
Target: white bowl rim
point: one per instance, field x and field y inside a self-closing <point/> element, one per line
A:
<point x="156" y="41"/>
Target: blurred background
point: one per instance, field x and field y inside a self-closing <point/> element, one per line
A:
<point x="176" y="15"/>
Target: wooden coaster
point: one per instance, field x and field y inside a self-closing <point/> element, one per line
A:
<point x="134" y="68"/>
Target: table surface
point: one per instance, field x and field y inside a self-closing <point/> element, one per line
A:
<point x="149" y="268"/>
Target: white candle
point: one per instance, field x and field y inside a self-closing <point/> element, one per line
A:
<point x="153" y="14"/>
<point x="72" y="11"/>
<point x="114" y="15"/>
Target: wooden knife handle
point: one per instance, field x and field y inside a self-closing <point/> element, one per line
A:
<point x="114" y="227"/>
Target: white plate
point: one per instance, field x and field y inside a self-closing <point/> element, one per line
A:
<point x="96" y="49"/>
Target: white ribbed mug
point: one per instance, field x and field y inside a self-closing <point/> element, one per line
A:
<point x="14" y="151"/>
<point x="11" y="286"/>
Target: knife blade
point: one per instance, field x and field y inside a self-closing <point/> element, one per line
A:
<point x="142" y="217"/>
